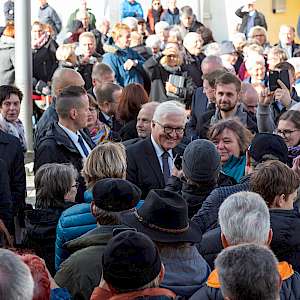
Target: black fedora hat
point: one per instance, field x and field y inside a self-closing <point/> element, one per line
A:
<point x="164" y="218"/>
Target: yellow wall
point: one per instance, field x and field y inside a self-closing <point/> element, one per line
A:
<point x="275" y="20"/>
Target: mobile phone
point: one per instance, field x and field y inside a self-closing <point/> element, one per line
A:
<point x="116" y="231"/>
<point x="283" y="75"/>
<point x="178" y="162"/>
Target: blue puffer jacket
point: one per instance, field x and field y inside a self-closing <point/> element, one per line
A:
<point x="131" y="10"/>
<point x="74" y="222"/>
<point x="116" y="57"/>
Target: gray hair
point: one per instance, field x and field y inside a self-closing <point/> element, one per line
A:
<point x="191" y="36"/>
<point x="153" y="41"/>
<point x="131" y="22"/>
<point x="52" y="183"/>
<point x="101" y="69"/>
<point x="169" y="107"/>
<point x="15" y="277"/>
<point x="244" y="218"/>
<point x="241" y="280"/>
<point x="212" y="59"/>
<point x="254" y="60"/>
<point x="161" y="25"/>
<point x="212" y="49"/>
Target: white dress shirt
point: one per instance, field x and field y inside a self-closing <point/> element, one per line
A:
<point x="159" y="152"/>
<point x="74" y="138"/>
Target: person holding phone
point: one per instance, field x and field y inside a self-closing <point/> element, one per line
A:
<point x="274" y="102"/>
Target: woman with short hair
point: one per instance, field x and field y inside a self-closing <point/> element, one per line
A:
<point x="56" y="189"/>
<point x="232" y="139"/>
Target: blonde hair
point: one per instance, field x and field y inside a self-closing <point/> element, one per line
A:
<point x="107" y="160"/>
<point x="65" y="51"/>
<point x="117" y="29"/>
<point x="9" y="29"/>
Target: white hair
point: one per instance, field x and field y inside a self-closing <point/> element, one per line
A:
<point x="190" y="37"/>
<point x="153" y="41"/>
<point x="212" y="49"/>
<point x="162" y="25"/>
<point x="15" y="277"/>
<point x="169" y="107"/>
<point x="244" y="218"/>
<point x="254" y="60"/>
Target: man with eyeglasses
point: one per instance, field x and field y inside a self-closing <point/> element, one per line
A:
<point x="150" y="161"/>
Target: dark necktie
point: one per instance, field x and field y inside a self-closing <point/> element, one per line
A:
<point x="82" y="145"/>
<point x="165" y="163"/>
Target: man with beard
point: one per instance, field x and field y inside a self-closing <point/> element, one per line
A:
<point x="228" y="88"/>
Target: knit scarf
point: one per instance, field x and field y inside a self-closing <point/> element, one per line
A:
<point x="171" y="69"/>
<point x="14" y="128"/>
<point x="41" y="41"/>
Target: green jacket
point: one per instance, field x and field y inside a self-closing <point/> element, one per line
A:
<point x="81" y="272"/>
<point x="72" y="18"/>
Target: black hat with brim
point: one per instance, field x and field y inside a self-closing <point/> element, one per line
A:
<point x="164" y="218"/>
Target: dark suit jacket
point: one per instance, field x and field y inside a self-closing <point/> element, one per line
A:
<point x="199" y="107"/>
<point x="143" y="167"/>
<point x="295" y="48"/>
<point x="11" y="152"/>
<point x="57" y="147"/>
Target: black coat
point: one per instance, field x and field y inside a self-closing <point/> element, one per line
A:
<point x="11" y="152"/>
<point x="193" y="66"/>
<point x="286" y="236"/>
<point x="143" y="168"/>
<point x="44" y="61"/>
<point x="259" y="20"/>
<point x="48" y="117"/>
<point x="56" y="147"/>
<point x="196" y="195"/>
<point x="207" y="216"/>
<point x="41" y="232"/>
<point x="6" y="212"/>
<point x="128" y="131"/>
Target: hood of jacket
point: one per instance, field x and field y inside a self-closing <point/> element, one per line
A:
<point x="95" y="237"/>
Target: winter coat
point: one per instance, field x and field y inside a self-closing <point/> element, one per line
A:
<point x="73" y="223"/>
<point x="195" y="195"/>
<point x="170" y="17"/>
<point x="44" y="61"/>
<point x="115" y="57"/>
<point x="185" y="270"/>
<point x="11" y="152"/>
<point x="57" y="147"/>
<point x="259" y="20"/>
<point x="48" y="15"/>
<point x="81" y="272"/>
<point x="41" y="230"/>
<point x="131" y="10"/>
<point x="290" y="288"/>
<point x="207" y="216"/>
<point x="193" y="66"/>
<point x="7" y="60"/>
<point x="159" y="75"/>
<point x="286" y="239"/>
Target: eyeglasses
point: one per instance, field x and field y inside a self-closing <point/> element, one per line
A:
<point x="286" y="133"/>
<point x="169" y="130"/>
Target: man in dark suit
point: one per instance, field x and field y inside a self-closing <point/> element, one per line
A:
<point x="150" y="161"/>
<point x="65" y="141"/>
<point x="287" y="40"/>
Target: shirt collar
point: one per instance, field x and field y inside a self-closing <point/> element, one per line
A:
<point x="158" y="149"/>
<point x="73" y="135"/>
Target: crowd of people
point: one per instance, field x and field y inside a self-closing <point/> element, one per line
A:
<point x="167" y="164"/>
